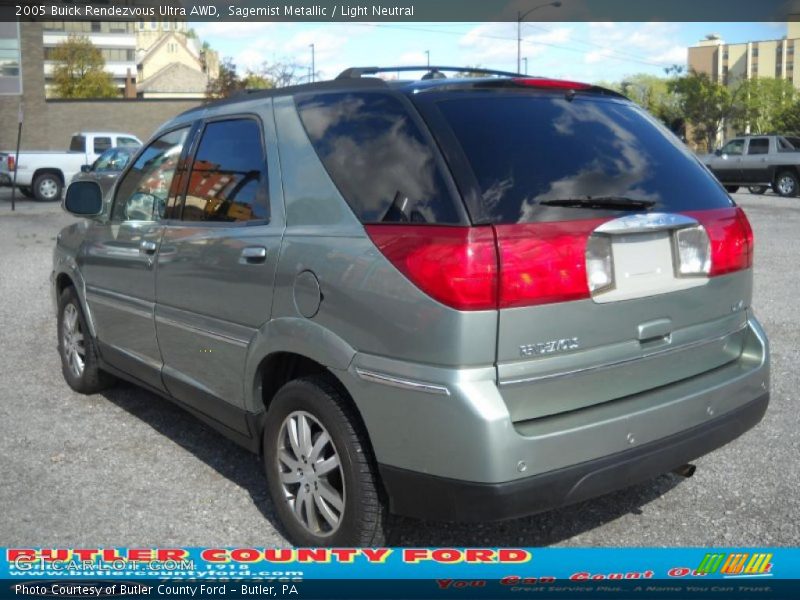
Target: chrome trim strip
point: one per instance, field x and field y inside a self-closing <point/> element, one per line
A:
<point x="646" y="222"/>
<point x="217" y="336"/>
<point x="406" y="384"/>
<point x="618" y="363"/>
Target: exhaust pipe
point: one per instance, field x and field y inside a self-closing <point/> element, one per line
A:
<point x="686" y="470"/>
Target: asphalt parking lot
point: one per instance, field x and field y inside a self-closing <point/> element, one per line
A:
<point x="128" y="468"/>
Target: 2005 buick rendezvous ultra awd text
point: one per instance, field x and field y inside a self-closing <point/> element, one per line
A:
<point x="459" y="299"/>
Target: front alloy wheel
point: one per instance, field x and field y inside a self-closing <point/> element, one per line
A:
<point x="80" y="361"/>
<point x="73" y="347"/>
<point x="311" y="474"/>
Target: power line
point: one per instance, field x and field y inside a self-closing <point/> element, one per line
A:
<point x="608" y="52"/>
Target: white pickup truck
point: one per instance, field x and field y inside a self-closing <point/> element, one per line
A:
<point x="42" y="175"/>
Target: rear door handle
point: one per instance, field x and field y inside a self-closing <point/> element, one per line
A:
<point x="253" y="255"/>
<point x="147" y="247"/>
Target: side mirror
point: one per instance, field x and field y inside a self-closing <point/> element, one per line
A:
<point x="86" y="168"/>
<point x="84" y="199"/>
<point x="718" y="152"/>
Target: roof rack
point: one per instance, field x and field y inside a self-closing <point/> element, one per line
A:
<point x="433" y="72"/>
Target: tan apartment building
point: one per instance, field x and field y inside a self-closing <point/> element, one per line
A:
<point x="731" y="63"/>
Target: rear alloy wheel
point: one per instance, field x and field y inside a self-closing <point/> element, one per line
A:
<point x="731" y="189"/>
<point x="786" y="184"/>
<point x="757" y="189"/>
<point x="79" y="357"/>
<point x="320" y="470"/>
<point x="47" y="187"/>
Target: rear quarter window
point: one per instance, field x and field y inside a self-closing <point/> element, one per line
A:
<point x="526" y="148"/>
<point x="377" y="157"/>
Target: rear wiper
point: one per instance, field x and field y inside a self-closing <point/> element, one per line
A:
<point x="601" y="202"/>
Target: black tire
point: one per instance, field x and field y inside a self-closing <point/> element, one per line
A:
<point x="26" y="191"/>
<point x="362" y="521"/>
<point x="47" y="187"/>
<point x="731" y="189"/>
<point x="757" y="189"/>
<point x="91" y="379"/>
<point x="786" y="184"/>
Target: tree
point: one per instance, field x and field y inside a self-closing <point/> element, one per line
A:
<point x="656" y="95"/>
<point x="255" y="81"/>
<point x="706" y="105"/>
<point x="79" y="70"/>
<point x="788" y="119"/>
<point x="226" y="84"/>
<point x="762" y="102"/>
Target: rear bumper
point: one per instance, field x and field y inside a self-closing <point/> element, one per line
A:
<point x="429" y="497"/>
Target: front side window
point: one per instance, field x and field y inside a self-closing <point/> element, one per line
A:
<point x="377" y="157"/>
<point x="758" y="146"/>
<point x="143" y="192"/>
<point x="733" y="148"/>
<point x="101" y="144"/>
<point x="228" y="180"/>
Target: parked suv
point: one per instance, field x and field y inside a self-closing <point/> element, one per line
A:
<point x="458" y="299"/>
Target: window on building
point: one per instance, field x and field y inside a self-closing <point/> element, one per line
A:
<point x="166" y="25"/>
<point x="141" y="25"/>
<point x="95" y="25"/>
<point x="228" y="180"/>
<point x="153" y="25"/>
<point x="10" y="76"/>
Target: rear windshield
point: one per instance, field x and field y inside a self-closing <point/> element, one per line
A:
<point x="378" y="157"/>
<point x="77" y="144"/>
<point x="526" y="149"/>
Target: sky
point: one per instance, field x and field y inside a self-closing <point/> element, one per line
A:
<point x="580" y="51"/>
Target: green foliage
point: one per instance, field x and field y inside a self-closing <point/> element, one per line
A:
<point x="705" y="104"/>
<point x="787" y="120"/>
<point x="78" y="71"/>
<point x="226" y="84"/>
<point x="761" y="104"/>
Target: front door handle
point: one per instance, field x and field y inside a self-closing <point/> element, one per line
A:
<point x="147" y="247"/>
<point x="253" y="255"/>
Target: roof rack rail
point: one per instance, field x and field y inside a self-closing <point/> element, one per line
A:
<point x="432" y="71"/>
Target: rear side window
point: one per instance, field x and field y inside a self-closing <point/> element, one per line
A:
<point x="758" y="146"/>
<point x="228" y="181"/>
<point x="101" y="144"/>
<point x="528" y="149"/>
<point x="377" y="157"/>
<point x="77" y="144"/>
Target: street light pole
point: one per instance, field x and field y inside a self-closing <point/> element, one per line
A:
<point x="526" y="64"/>
<point x="313" y="65"/>
<point x="521" y="17"/>
<point x="428" y="55"/>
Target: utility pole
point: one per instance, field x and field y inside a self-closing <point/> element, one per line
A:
<point x="525" y="59"/>
<point x="520" y="17"/>
<point x="313" y="64"/>
<point x="428" y="55"/>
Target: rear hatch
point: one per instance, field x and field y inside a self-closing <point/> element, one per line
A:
<point x="623" y="265"/>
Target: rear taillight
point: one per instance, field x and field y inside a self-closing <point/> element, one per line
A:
<point x="731" y="239"/>
<point x="542" y="263"/>
<point x="455" y="265"/>
<point x="11" y="163"/>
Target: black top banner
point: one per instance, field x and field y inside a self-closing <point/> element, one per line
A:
<point x="406" y="10"/>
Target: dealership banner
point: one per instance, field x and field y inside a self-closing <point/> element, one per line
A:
<point x="400" y="572"/>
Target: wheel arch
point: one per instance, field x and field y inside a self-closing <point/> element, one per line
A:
<point x="48" y="170"/>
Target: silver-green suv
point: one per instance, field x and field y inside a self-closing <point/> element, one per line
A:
<point x="460" y="299"/>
